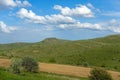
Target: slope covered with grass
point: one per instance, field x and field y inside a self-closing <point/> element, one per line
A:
<point x="103" y="52"/>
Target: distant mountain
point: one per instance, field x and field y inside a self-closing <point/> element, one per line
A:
<point x="102" y="52"/>
<point x="53" y="41"/>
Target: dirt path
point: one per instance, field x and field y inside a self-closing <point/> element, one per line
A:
<point x="63" y="69"/>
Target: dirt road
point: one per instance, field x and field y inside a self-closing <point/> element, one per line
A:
<point x="63" y="69"/>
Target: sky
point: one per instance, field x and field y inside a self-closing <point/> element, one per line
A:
<point x="35" y="20"/>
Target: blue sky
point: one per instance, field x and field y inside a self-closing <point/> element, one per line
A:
<point x="35" y="20"/>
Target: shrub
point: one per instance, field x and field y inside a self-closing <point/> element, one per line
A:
<point x="103" y="65"/>
<point x="85" y="64"/>
<point x="15" y="65"/>
<point x="9" y="55"/>
<point x="52" y="60"/>
<point x="115" y="67"/>
<point x="99" y="74"/>
<point x="29" y="64"/>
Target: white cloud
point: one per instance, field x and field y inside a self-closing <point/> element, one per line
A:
<point x="112" y="25"/>
<point x="81" y="25"/>
<point x="115" y="29"/>
<point x="24" y="13"/>
<point x="8" y="4"/>
<point x="66" y="22"/>
<point x="22" y="4"/>
<point x="78" y="11"/>
<point x="113" y="21"/>
<point x="112" y="14"/>
<point x="57" y="20"/>
<point x="4" y="28"/>
<point x="90" y="5"/>
<point x="48" y="19"/>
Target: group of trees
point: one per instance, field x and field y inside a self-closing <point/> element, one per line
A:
<point x="26" y="64"/>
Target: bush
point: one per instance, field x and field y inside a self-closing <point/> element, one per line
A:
<point x="29" y="64"/>
<point x="15" y="65"/>
<point x="85" y="64"/>
<point x="52" y="60"/>
<point x="99" y="74"/>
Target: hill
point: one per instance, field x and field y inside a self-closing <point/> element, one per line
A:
<point x="103" y="52"/>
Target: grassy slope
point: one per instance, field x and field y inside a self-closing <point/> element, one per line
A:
<point x="103" y="52"/>
<point x="4" y="75"/>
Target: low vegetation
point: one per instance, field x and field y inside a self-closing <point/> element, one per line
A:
<point x="100" y="74"/>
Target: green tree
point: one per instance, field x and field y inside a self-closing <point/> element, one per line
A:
<point x="29" y="64"/>
<point x="15" y="65"/>
<point x="99" y="74"/>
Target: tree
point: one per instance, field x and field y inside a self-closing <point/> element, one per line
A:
<point x="15" y="65"/>
<point x="29" y="64"/>
<point x="99" y="74"/>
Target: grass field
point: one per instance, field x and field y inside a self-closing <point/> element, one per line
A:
<point x="102" y="52"/>
<point x="4" y="75"/>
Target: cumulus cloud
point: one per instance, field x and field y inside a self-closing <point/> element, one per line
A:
<point x="78" y="11"/>
<point x="22" y="4"/>
<point x="112" y="25"/>
<point x="81" y="25"/>
<point x="48" y="19"/>
<point x="8" y="4"/>
<point x="4" y="28"/>
<point x="66" y="22"/>
<point x="29" y="14"/>
<point x="58" y="20"/>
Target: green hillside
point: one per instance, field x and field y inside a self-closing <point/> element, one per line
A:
<point x="103" y="52"/>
